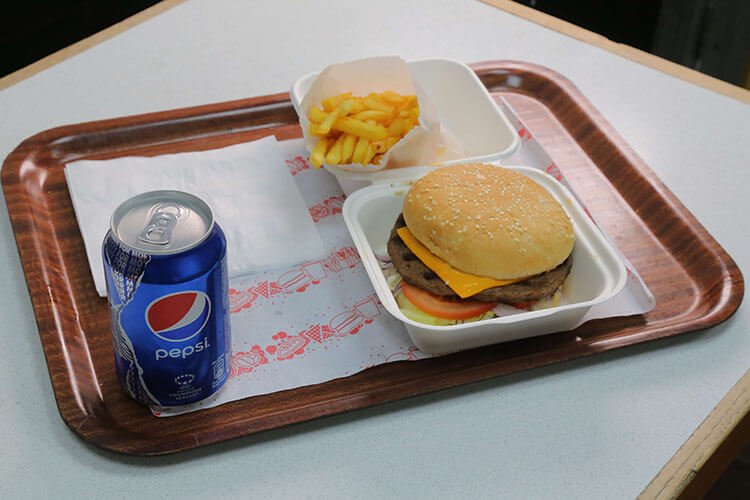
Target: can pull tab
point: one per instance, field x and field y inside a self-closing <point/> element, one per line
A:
<point x="163" y="220"/>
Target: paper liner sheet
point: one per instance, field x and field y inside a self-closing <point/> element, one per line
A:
<point x="321" y="320"/>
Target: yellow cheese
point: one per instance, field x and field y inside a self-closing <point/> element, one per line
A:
<point x="464" y="284"/>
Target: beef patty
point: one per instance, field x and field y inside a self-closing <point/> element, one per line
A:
<point x="416" y="273"/>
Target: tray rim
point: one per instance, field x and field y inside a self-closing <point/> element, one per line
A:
<point x="733" y="282"/>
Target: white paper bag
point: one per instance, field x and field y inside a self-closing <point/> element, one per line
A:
<point x="425" y="144"/>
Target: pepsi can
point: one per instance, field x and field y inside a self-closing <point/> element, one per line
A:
<point x="166" y="270"/>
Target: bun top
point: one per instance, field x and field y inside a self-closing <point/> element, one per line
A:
<point x="489" y="221"/>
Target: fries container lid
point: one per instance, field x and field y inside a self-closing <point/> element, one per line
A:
<point x="464" y="106"/>
<point x="597" y="274"/>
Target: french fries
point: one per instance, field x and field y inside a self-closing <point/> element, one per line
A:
<point x="360" y="129"/>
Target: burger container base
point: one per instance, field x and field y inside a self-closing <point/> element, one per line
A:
<point x="597" y="275"/>
<point x="464" y="107"/>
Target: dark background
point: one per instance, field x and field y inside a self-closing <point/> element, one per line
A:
<point x="712" y="36"/>
<point x="33" y="29"/>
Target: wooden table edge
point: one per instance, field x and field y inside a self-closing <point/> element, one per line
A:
<point x="709" y="450"/>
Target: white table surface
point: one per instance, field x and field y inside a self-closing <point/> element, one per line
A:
<point x="600" y="427"/>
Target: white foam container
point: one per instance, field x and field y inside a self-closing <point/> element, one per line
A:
<point x="464" y="106"/>
<point x="597" y="274"/>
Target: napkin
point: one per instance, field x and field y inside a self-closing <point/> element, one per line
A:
<point x="249" y="187"/>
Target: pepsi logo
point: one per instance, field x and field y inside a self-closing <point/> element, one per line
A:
<point x="178" y="316"/>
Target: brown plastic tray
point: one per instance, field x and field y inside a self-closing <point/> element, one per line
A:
<point x="696" y="284"/>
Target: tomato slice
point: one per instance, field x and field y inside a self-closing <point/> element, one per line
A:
<point x="525" y="305"/>
<point x="444" y="308"/>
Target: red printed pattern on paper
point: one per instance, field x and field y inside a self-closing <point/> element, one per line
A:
<point x="285" y="346"/>
<point x="326" y="208"/>
<point x="524" y="133"/>
<point x="247" y="361"/>
<point x="554" y="171"/>
<point x="343" y="324"/>
<point x="296" y="280"/>
<point x="297" y="165"/>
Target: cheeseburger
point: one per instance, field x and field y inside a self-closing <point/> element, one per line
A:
<point x="472" y="236"/>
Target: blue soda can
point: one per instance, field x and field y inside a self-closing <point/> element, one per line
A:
<point x="166" y="270"/>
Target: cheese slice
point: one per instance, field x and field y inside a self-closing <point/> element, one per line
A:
<point x="464" y="284"/>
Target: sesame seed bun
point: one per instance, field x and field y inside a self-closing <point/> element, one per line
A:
<point x="489" y="221"/>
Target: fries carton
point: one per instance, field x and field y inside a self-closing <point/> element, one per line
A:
<point x="425" y="144"/>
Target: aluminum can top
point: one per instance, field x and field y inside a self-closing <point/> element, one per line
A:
<point x="162" y="222"/>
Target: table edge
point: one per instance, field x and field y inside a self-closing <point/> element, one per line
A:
<point x="709" y="450"/>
